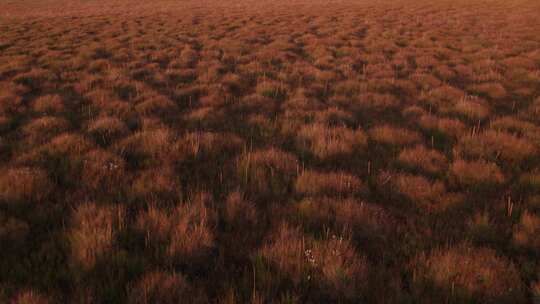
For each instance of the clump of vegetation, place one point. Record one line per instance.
(332, 183)
(476, 174)
(464, 273)
(267, 171)
(184, 235)
(269, 152)
(329, 142)
(163, 287)
(526, 234)
(389, 135)
(93, 233)
(24, 184)
(421, 158)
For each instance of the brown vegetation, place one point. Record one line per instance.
(300, 151)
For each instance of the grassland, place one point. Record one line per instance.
(284, 152)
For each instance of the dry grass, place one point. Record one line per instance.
(476, 173)
(24, 185)
(393, 136)
(526, 234)
(93, 232)
(183, 235)
(464, 273)
(427, 160)
(107, 129)
(329, 142)
(12, 230)
(331, 263)
(162, 287)
(221, 144)
(332, 183)
(30, 297)
(267, 171)
(344, 215)
(496, 145)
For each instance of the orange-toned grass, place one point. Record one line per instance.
(163, 287)
(465, 273)
(389, 135)
(420, 157)
(327, 142)
(267, 171)
(527, 232)
(24, 184)
(311, 182)
(93, 231)
(496, 145)
(475, 173)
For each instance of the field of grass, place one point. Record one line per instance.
(288, 151)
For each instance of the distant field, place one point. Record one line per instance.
(282, 152)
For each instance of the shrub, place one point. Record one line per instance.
(24, 184)
(394, 136)
(466, 274)
(427, 160)
(475, 173)
(326, 142)
(333, 183)
(94, 229)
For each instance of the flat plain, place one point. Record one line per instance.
(269, 152)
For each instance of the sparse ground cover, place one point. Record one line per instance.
(269, 152)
